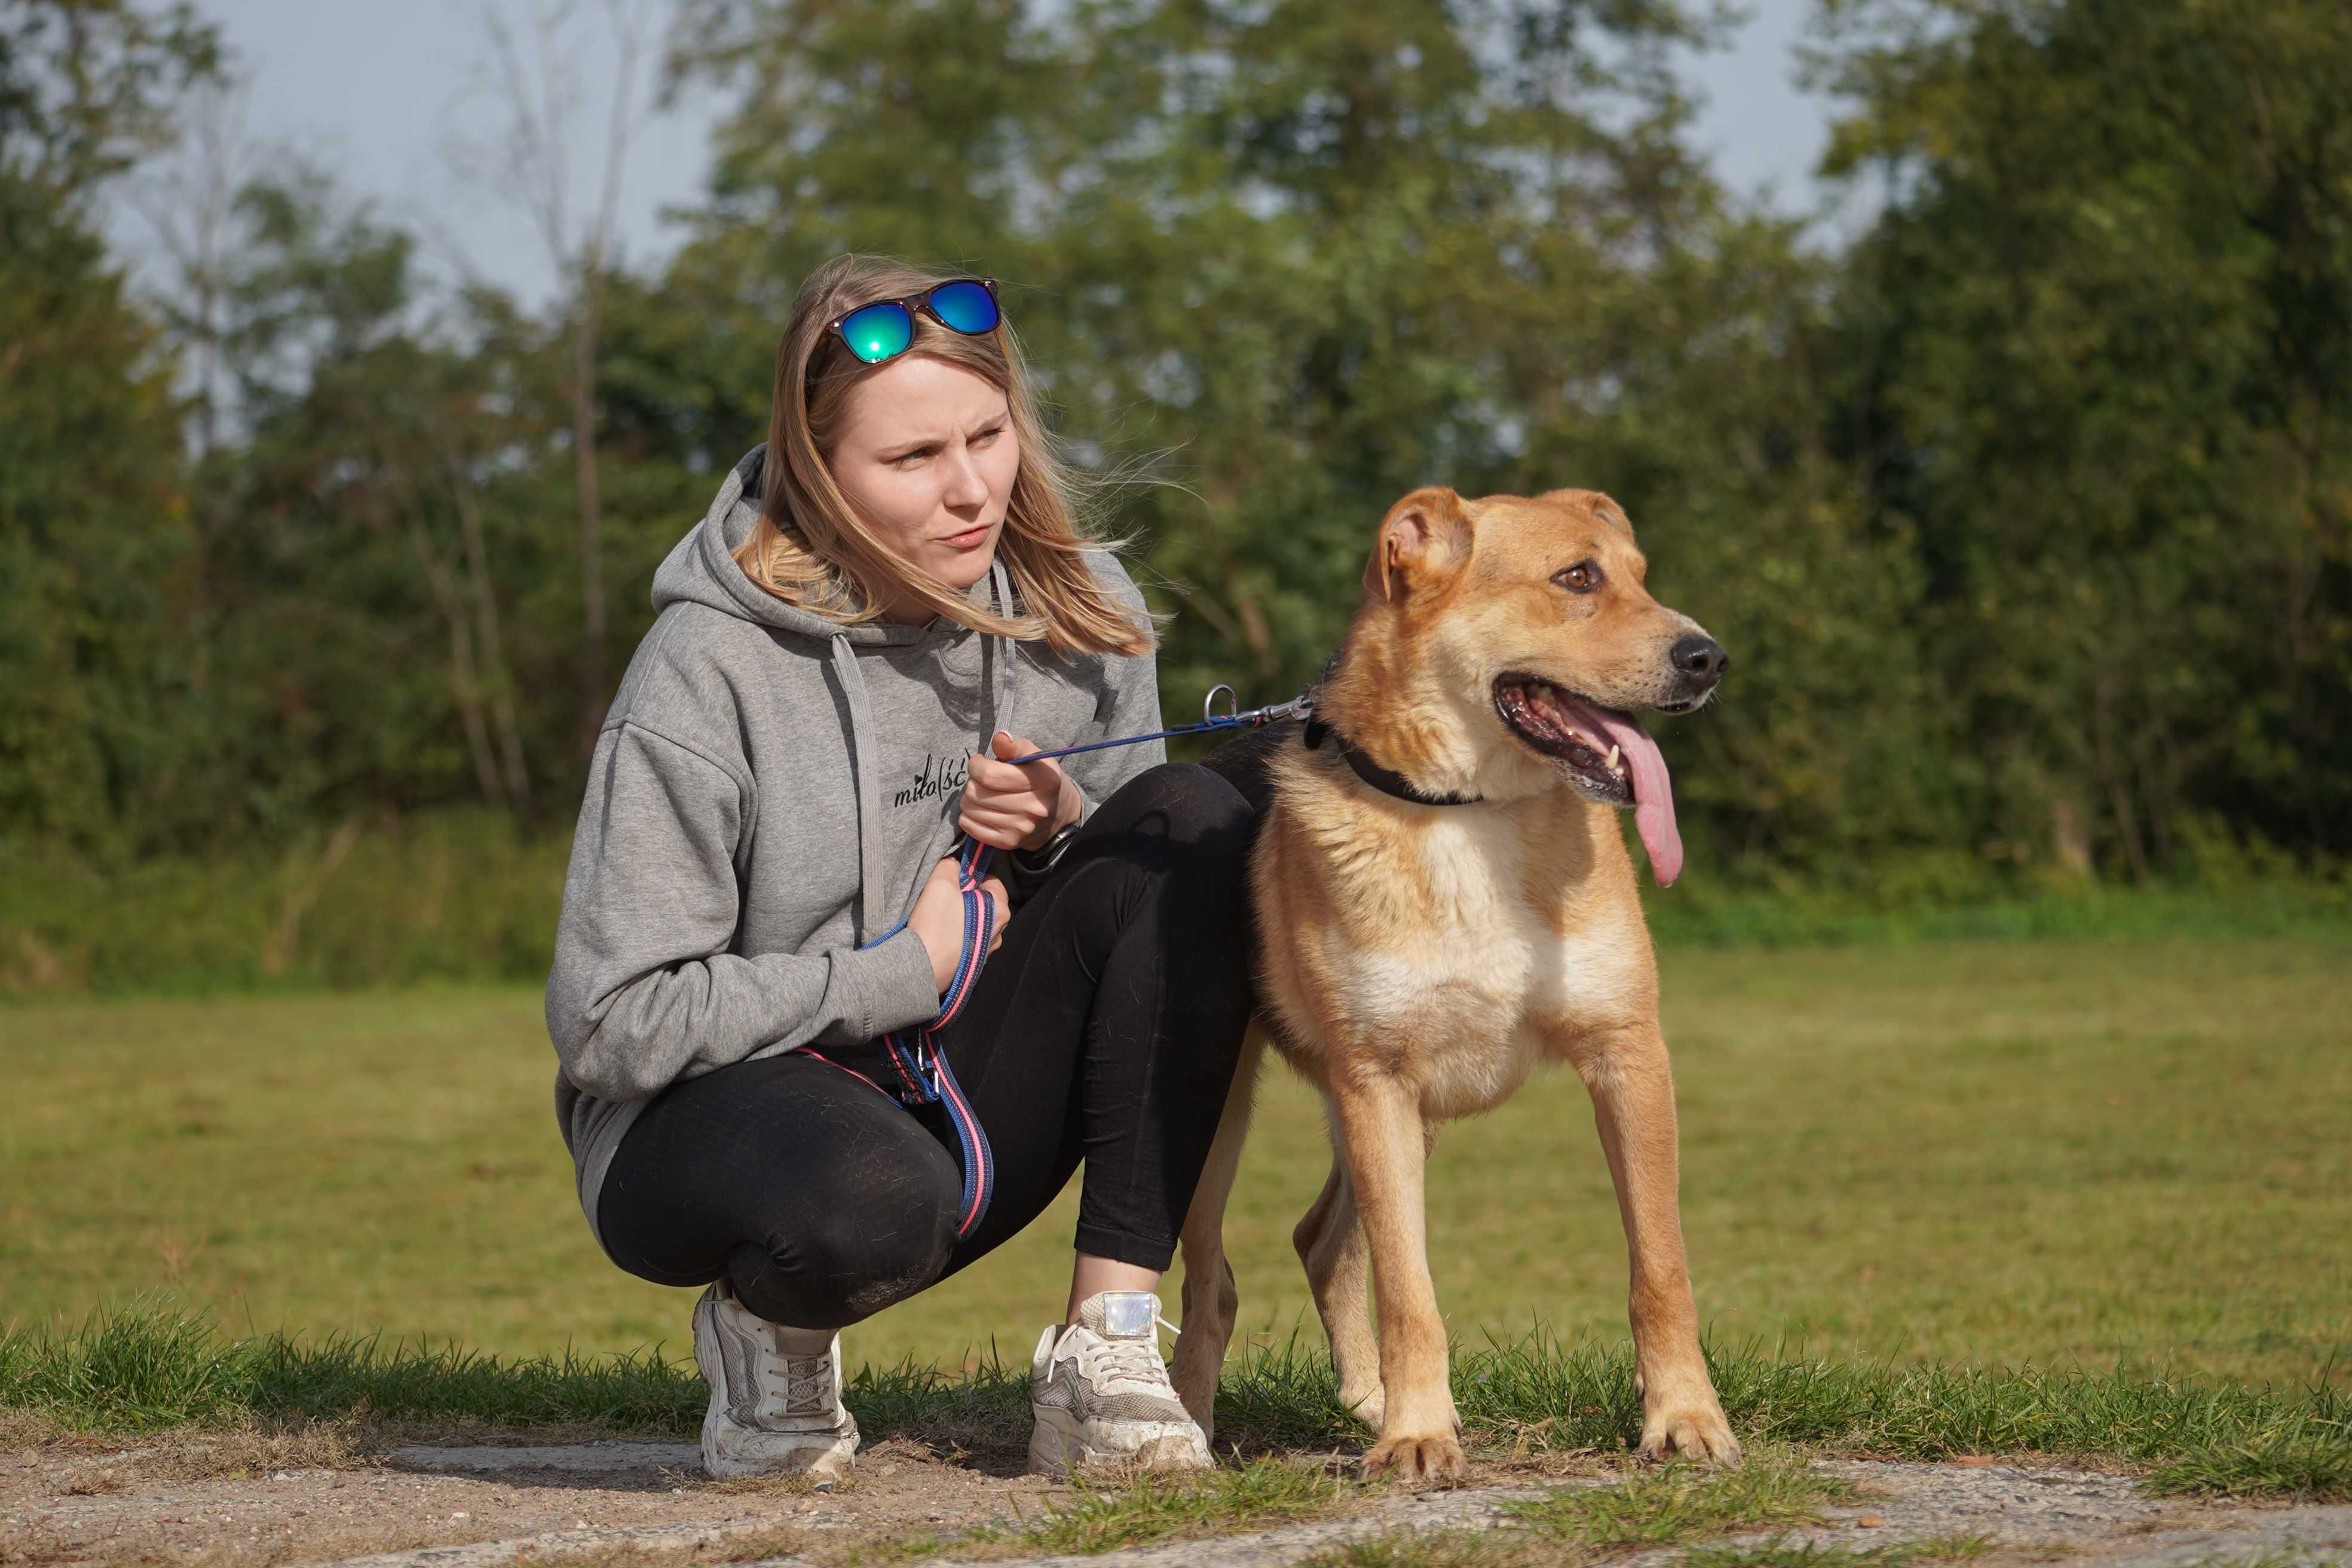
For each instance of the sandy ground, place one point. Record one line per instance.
(247, 1500)
(250, 1502)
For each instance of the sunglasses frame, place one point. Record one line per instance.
(912, 303)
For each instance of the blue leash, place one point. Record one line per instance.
(924, 1075)
(1297, 707)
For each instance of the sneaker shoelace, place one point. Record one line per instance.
(1136, 1359)
(808, 1384)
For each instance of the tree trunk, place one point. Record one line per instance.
(501, 679)
(465, 680)
(592, 547)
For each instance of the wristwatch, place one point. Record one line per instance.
(1038, 861)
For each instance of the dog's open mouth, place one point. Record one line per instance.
(1604, 753)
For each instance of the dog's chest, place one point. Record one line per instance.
(1488, 976)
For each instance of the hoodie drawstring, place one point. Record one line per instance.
(922, 1067)
(863, 765)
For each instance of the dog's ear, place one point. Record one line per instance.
(1594, 502)
(1427, 532)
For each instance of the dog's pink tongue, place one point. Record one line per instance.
(1653, 797)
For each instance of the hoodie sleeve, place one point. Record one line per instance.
(644, 991)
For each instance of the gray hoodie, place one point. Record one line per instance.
(769, 793)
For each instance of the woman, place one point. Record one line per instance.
(764, 884)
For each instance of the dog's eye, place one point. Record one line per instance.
(1584, 577)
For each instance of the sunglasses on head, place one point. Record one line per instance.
(878, 331)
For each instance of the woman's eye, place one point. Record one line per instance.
(985, 437)
(1582, 578)
(905, 460)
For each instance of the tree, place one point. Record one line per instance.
(87, 87)
(2100, 341)
(531, 164)
(1314, 255)
(94, 518)
(364, 517)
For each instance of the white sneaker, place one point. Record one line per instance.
(770, 1413)
(1101, 1395)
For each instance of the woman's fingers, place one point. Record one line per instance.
(1001, 826)
(990, 781)
(994, 888)
(995, 835)
(1001, 777)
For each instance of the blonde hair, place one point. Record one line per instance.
(811, 549)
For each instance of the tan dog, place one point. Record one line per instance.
(1418, 960)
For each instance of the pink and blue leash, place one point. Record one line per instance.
(923, 1069)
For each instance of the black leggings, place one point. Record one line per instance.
(1105, 1029)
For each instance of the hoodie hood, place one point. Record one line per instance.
(701, 569)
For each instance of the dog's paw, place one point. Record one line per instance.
(1371, 1409)
(1690, 1429)
(1435, 1460)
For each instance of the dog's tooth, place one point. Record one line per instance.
(1612, 757)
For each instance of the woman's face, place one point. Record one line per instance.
(927, 454)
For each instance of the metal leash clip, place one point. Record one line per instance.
(1298, 707)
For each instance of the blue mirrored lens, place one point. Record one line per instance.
(966, 307)
(878, 331)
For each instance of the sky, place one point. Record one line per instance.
(385, 94)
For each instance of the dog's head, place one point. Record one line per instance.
(1531, 613)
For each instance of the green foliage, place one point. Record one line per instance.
(87, 487)
(453, 896)
(2025, 515)
(2095, 352)
(86, 86)
(1316, 255)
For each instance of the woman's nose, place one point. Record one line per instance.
(962, 486)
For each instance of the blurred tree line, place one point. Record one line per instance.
(2026, 511)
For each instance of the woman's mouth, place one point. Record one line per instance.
(969, 537)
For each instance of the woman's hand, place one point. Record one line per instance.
(1016, 805)
(938, 918)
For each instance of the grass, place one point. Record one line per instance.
(457, 893)
(1788, 1553)
(1255, 1496)
(2051, 1198)
(2107, 1155)
(1514, 1549)
(1678, 1505)
(147, 1368)
(453, 894)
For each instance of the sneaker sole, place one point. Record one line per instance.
(1053, 1452)
(826, 1460)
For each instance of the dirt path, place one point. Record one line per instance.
(248, 1502)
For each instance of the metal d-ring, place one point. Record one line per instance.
(1209, 714)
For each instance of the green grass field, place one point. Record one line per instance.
(2104, 1154)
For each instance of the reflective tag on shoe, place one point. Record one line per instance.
(1128, 1314)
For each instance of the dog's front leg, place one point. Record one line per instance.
(1380, 1137)
(1632, 1090)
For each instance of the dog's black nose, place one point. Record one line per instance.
(1700, 658)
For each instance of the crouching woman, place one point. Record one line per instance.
(765, 904)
